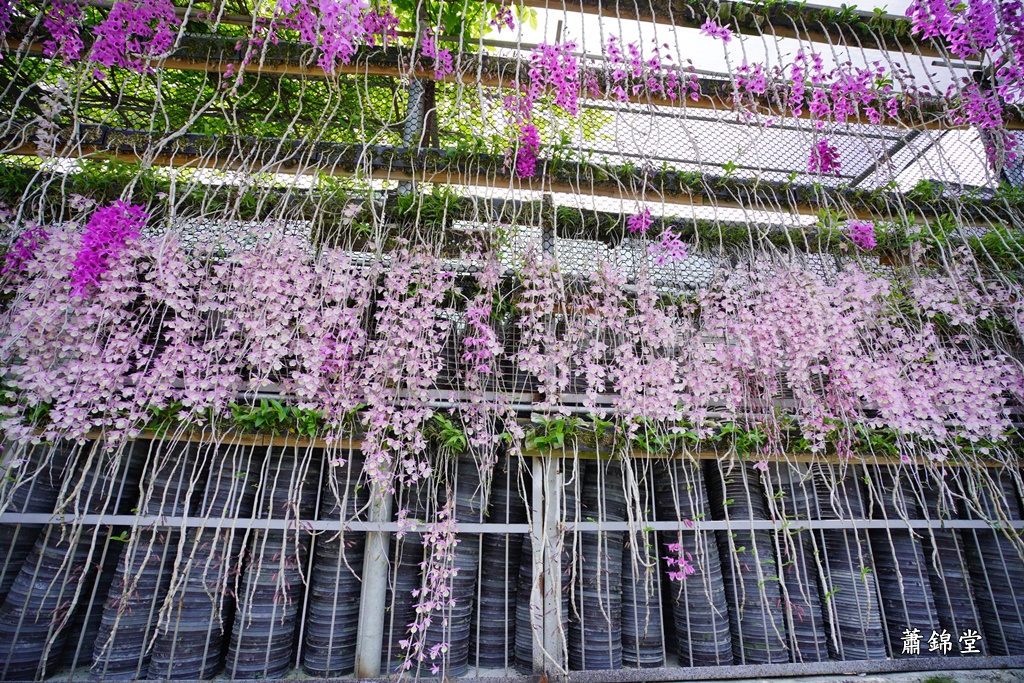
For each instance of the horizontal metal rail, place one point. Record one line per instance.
(147, 521)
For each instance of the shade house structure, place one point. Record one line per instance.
(591, 340)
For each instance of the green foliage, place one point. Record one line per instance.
(745, 441)
(891, 238)
(434, 209)
(446, 434)
(552, 433)
(924, 191)
(935, 235)
(1001, 245)
(272, 416)
(163, 419)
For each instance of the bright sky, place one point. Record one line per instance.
(712, 55)
(709, 54)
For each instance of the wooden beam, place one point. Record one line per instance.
(448, 177)
(241, 439)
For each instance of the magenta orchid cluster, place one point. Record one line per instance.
(862, 234)
(829, 95)
(105, 236)
(61, 22)
(977, 28)
(631, 74)
(668, 249)
(335, 27)
(526, 153)
(132, 34)
(992, 30)
(639, 223)
(503, 18)
(713, 29)
(442, 56)
(824, 158)
(6, 18)
(23, 250)
(836, 95)
(558, 73)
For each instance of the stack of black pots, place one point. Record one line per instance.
(191, 638)
(749, 568)
(145, 566)
(947, 561)
(700, 612)
(994, 560)
(406, 556)
(332, 612)
(595, 624)
(41, 603)
(850, 599)
(449, 632)
(643, 638)
(33, 487)
(493, 629)
(903, 582)
(270, 592)
(88, 619)
(791, 496)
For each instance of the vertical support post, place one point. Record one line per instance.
(546, 600)
(373, 600)
(413, 128)
(548, 484)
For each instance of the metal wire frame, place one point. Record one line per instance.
(572, 522)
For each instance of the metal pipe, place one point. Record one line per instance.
(370, 635)
(381, 527)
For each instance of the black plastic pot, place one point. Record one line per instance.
(400, 608)
(996, 570)
(849, 595)
(332, 613)
(947, 561)
(903, 582)
(190, 640)
(136, 595)
(595, 624)
(700, 613)
(446, 641)
(493, 626)
(85, 627)
(749, 568)
(146, 565)
(268, 600)
(31, 487)
(792, 496)
(43, 599)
